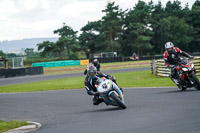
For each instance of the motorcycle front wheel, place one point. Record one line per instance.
(180, 87)
(196, 81)
(118, 101)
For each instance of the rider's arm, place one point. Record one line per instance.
(89, 90)
(100, 74)
(167, 63)
(98, 67)
(88, 87)
(85, 72)
(182, 52)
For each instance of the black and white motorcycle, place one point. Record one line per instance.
(110, 93)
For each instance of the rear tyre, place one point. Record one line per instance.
(118, 101)
(196, 81)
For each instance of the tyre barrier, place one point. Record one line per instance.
(158, 67)
(6, 73)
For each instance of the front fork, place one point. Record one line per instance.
(187, 77)
(190, 76)
(118, 93)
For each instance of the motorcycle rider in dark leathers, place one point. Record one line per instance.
(95, 63)
(91, 80)
(172, 57)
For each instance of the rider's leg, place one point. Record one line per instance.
(173, 75)
(96, 100)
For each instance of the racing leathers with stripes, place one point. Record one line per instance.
(90, 86)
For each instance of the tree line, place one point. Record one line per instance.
(143, 29)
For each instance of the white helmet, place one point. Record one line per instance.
(169, 45)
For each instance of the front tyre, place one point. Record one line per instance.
(118, 101)
(196, 81)
(180, 87)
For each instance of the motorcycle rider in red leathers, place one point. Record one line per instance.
(171, 58)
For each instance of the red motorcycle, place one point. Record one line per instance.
(186, 75)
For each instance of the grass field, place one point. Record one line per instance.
(127, 79)
(8, 125)
(104, 66)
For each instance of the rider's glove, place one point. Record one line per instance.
(171, 66)
(111, 78)
(95, 93)
(191, 57)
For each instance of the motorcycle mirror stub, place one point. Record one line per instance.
(192, 65)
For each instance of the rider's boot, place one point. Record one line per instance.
(106, 103)
(96, 100)
(174, 78)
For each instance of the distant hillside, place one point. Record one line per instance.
(16, 45)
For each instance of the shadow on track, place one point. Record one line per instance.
(106, 109)
(177, 91)
(99, 110)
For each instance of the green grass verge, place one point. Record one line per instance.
(142, 79)
(127, 79)
(8, 125)
(126, 62)
(58, 84)
(104, 66)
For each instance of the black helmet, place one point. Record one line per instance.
(92, 71)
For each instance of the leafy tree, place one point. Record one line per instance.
(90, 37)
(111, 27)
(2, 54)
(144, 29)
(46, 47)
(103, 35)
(29, 51)
(185, 12)
(68, 41)
(173, 9)
(157, 14)
(138, 32)
(170, 24)
(195, 23)
(176, 32)
(11, 55)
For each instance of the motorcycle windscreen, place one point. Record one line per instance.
(104, 86)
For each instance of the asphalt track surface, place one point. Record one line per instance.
(26, 79)
(149, 110)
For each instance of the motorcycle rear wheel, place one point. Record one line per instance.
(118, 101)
(196, 81)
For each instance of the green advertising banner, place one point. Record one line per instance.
(57, 63)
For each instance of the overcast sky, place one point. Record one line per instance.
(20, 19)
